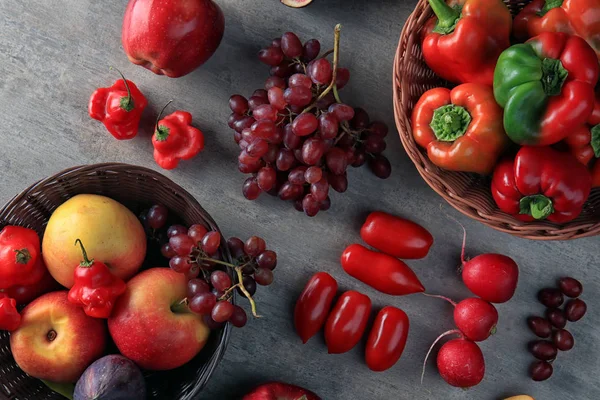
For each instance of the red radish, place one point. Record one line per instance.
(493, 277)
(476, 318)
(460, 363)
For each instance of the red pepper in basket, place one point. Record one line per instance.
(462, 42)
(10, 319)
(19, 253)
(96, 289)
(119, 108)
(541, 183)
(176, 139)
(596, 175)
(578, 17)
(584, 143)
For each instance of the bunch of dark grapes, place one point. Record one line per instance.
(297, 138)
(195, 252)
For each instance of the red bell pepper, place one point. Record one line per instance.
(596, 174)
(119, 108)
(176, 139)
(462, 42)
(10, 319)
(584, 143)
(595, 117)
(541, 183)
(96, 289)
(19, 253)
(578, 17)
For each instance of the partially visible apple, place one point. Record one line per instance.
(280, 391)
(296, 3)
(171, 37)
(57, 340)
(151, 326)
(108, 230)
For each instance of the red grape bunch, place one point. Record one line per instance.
(194, 251)
(297, 138)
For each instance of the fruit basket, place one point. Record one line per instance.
(135, 187)
(468, 193)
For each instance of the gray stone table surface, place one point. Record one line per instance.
(53, 54)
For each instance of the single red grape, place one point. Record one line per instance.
(238, 104)
(239, 317)
(175, 230)
(342, 77)
(320, 190)
(289, 191)
(381, 166)
(360, 158)
(361, 119)
(257, 148)
(296, 175)
(291, 45)
(196, 287)
(285, 159)
(262, 93)
(271, 56)
(243, 123)
(298, 80)
(233, 118)
(543, 350)
(290, 139)
(328, 126)
(251, 190)
(157, 216)
(282, 70)
(254, 246)
(222, 311)
(256, 101)
(563, 340)
(274, 81)
(540, 326)
(266, 178)
(193, 272)
(336, 160)
(180, 264)
(313, 174)
(264, 129)
(342, 112)
(212, 325)
(267, 259)
(550, 297)
(375, 144)
(310, 205)
(305, 124)
(263, 276)
(182, 244)
(167, 251)
(298, 96)
(271, 155)
(203, 303)
(540, 370)
(326, 204)
(249, 285)
(570, 287)
(276, 98)
(211, 242)
(220, 280)
(556, 317)
(339, 183)
(265, 111)
(378, 128)
(245, 158)
(312, 151)
(236, 247)
(320, 71)
(311, 50)
(575, 310)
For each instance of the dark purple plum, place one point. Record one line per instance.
(113, 377)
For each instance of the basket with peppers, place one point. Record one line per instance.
(524, 107)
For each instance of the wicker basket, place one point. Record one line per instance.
(135, 187)
(468, 193)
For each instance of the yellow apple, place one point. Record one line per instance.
(109, 231)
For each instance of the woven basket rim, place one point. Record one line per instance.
(221, 346)
(430, 173)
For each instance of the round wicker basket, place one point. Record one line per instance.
(468, 193)
(137, 188)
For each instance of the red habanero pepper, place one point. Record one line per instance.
(10, 319)
(541, 183)
(396, 236)
(387, 339)
(119, 108)
(24, 294)
(314, 304)
(96, 289)
(380, 271)
(347, 322)
(462, 42)
(577, 17)
(176, 139)
(19, 253)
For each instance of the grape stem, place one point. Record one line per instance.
(238, 270)
(336, 57)
(328, 52)
(228, 291)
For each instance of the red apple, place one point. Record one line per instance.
(57, 340)
(172, 37)
(280, 391)
(151, 327)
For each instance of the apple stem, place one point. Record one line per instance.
(336, 57)
(238, 270)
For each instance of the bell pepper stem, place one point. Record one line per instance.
(450, 122)
(162, 133)
(549, 5)
(595, 142)
(86, 262)
(126, 103)
(447, 16)
(553, 76)
(537, 205)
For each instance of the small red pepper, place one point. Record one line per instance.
(387, 339)
(541, 183)
(314, 304)
(96, 289)
(10, 319)
(19, 253)
(380, 271)
(119, 108)
(396, 236)
(176, 139)
(462, 41)
(24, 294)
(347, 322)
(584, 143)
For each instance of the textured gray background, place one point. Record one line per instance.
(53, 54)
